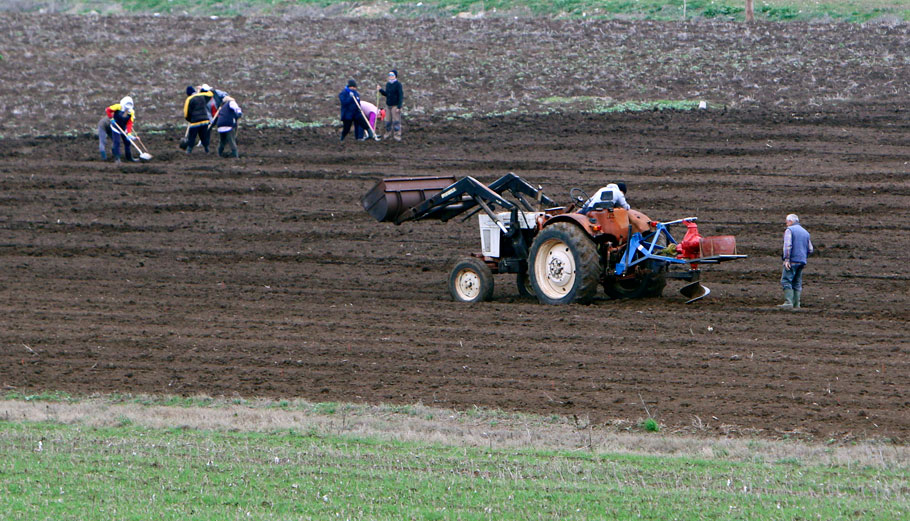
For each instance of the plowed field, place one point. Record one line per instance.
(264, 277)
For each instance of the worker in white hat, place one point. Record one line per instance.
(117, 124)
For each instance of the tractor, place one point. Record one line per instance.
(559, 254)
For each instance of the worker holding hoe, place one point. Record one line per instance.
(117, 125)
(351, 113)
(197, 111)
(797, 248)
(394, 98)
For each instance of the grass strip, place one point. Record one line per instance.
(56, 471)
(768, 10)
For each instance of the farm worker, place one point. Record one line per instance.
(197, 111)
(350, 109)
(371, 112)
(394, 98)
(797, 248)
(123, 115)
(226, 123)
(613, 192)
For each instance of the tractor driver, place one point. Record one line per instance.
(613, 192)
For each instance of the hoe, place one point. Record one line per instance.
(560, 254)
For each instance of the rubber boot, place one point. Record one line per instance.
(103, 155)
(796, 294)
(788, 299)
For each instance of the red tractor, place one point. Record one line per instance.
(560, 254)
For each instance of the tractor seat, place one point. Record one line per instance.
(600, 205)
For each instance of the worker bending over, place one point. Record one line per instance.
(226, 123)
(197, 109)
(117, 115)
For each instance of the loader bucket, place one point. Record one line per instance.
(694, 291)
(392, 197)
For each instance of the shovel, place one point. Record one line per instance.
(138, 140)
(183, 141)
(145, 156)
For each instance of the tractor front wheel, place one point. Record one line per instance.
(525, 289)
(564, 265)
(471, 280)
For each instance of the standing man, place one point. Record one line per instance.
(394, 97)
(797, 248)
(197, 111)
(226, 122)
(122, 115)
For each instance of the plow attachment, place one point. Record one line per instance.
(712, 249)
(694, 291)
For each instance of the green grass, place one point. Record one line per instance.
(650, 425)
(604, 105)
(53, 471)
(773, 10)
(283, 123)
(45, 396)
(639, 106)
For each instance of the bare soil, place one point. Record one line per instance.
(263, 277)
(59, 72)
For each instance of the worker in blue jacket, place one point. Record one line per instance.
(350, 110)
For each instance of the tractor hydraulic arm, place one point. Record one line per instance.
(520, 188)
(459, 197)
(469, 193)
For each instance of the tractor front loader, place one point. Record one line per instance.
(559, 254)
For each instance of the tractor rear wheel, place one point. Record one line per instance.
(471, 280)
(564, 265)
(647, 283)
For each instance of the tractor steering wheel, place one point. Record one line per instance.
(578, 195)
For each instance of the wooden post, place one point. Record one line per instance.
(750, 13)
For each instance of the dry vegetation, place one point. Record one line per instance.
(418, 423)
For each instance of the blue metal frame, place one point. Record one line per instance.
(644, 246)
